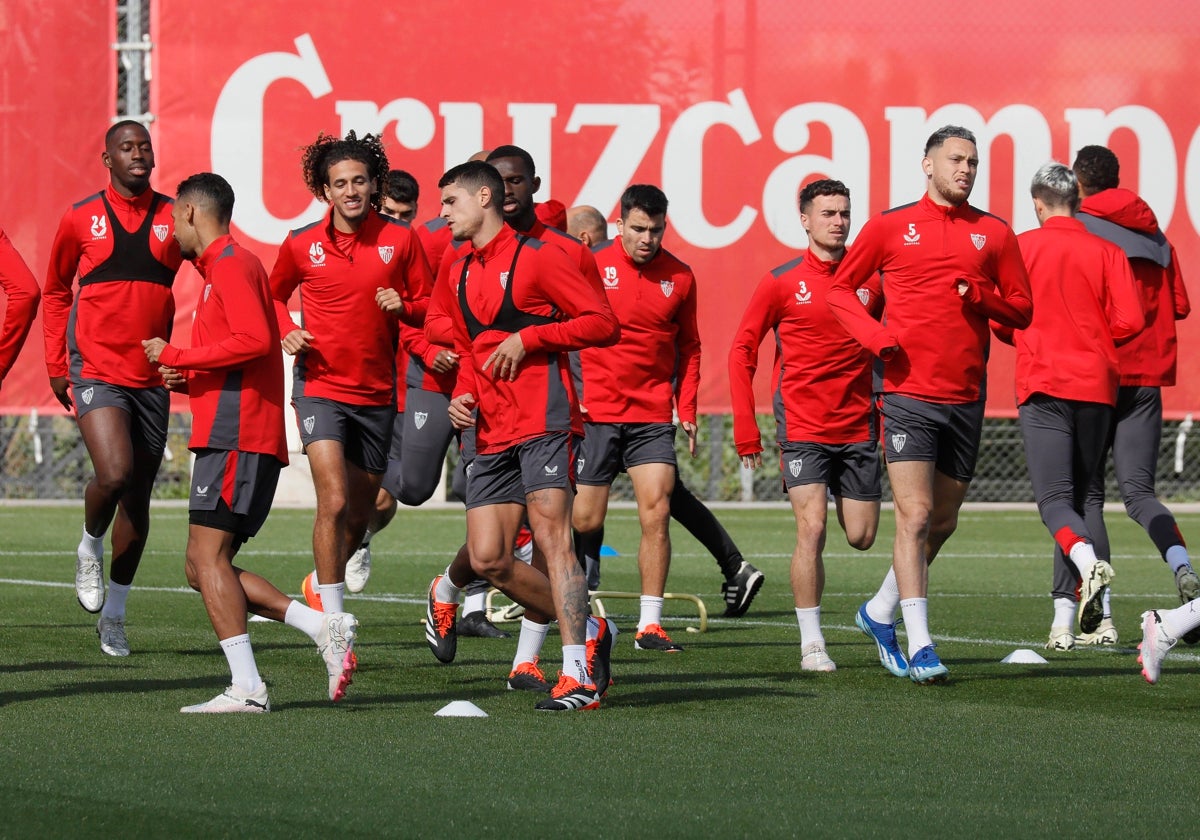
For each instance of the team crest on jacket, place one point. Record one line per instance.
(979, 240)
(161, 231)
(667, 286)
(309, 423)
(207, 291)
(864, 296)
(87, 395)
(503, 279)
(419, 418)
(385, 253)
(898, 442)
(99, 227)
(316, 253)
(795, 466)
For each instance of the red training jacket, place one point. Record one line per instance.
(23, 295)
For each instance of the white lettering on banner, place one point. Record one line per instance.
(238, 120)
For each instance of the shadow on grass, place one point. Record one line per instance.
(104, 687)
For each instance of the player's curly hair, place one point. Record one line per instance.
(329, 150)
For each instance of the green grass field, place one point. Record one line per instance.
(728, 738)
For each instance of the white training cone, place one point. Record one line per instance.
(1024, 656)
(460, 708)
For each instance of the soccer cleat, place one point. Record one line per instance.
(1154, 646)
(890, 655)
(569, 695)
(476, 624)
(528, 677)
(1061, 638)
(512, 612)
(233, 699)
(1091, 591)
(740, 590)
(924, 668)
(89, 580)
(1104, 635)
(336, 643)
(654, 637)
(814, 658)
(440, 630)
(599, 655)
(1188, 584)
(312, 597)
(112, 636)
(358, 569)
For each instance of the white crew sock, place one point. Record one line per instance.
(529, 641)
(575, 663)
(333, 596)
(240, 656)
(916, 623)
(809, 619)
(92, 546)
(1083, 555)
(1180, 620)
(651, 612)
(1177, 557)
(474, 603)
(114, 603)
(304, 618)
(446, 592)
(884, 603)
(1064, 613)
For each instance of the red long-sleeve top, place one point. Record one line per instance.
(23, 295)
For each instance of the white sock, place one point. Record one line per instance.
(1180, 620)
(1177, 557)
(529, 642)
(92, 546)
(651, 612)
(474, 603)
(575, 663)
(114, 603)
(304, 618)
(916, 623)
(446, 592)
(1105, 602)
(809, 619)
(1064, 613)
(1083, 555)
(883, 605)
(333, 596)
(240, 656)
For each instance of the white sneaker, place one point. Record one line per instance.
(1105, 635)
(233, 699)
(1061, 638)
(336, 643)
(89, 579)
(112, 636)
(814, 658)
(358, 569)
(1154, 646)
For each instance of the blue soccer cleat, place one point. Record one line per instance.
(890, 655)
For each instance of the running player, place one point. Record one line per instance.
(1084, 305)
(234, 376)
(118, 243)
(357, 272)
(824, 424)
(947, 268)
(23, 295)
(631, 428)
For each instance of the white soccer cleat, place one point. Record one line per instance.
(1154, 646)
(814, 658)
(336, 643)
(358, 570)
(1091, 591)
(1105, 635)
(89, 579)
(1061, 638)
(112, 636)
(233, 700)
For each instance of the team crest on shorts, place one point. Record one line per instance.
(385, 253)
(309, 423)
(579, 462)
(795, 466)
(667, 286)
(898, 441)
(978, 240)
(160, 231)
(419, 418)
(470, 469)
(87, 395)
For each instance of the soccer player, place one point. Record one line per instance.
(588, 225)
(358, 272)
(631, 389)
(1148, 364)
(1161, 631)
(947, 268)
(824, 423)
(118, 243)
(233, 375)
(1084, 305)
(23, 295)
(521, 306)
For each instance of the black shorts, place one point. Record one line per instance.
(509, 476)
(945, 433)
(849, 470)
(365, 431)
(232, 491)
(148, 408)
(420, 437)
(609, 448)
